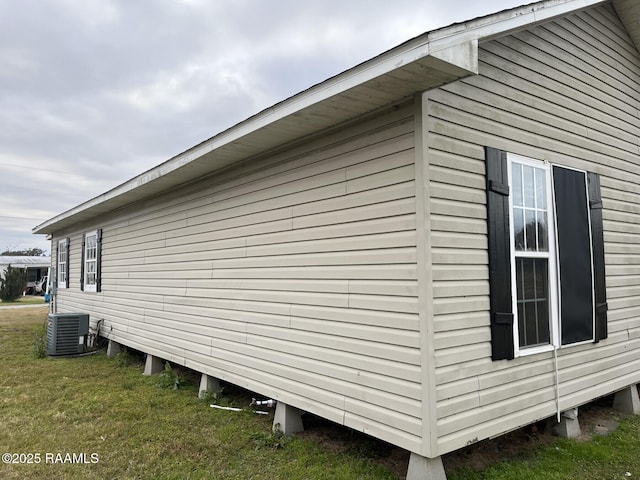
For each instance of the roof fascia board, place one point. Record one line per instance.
(503, 23)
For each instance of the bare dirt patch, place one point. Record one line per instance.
(338, 439)
(596, 418)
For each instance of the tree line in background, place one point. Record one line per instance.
(29, 252)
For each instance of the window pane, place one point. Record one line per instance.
(91, 273)
(530, 325)
(543, 235)
(532, 300)
(530, 230)
(519, 282)
(516, 175)
(544, 335)
(541, 189)
(528, 278)
(522, 338)
(518, 228)
(529, 188)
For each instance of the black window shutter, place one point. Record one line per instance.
(99, 260)
(499, 254)
(574, 255)
(84, 240)
(68, 246)
(597, 242)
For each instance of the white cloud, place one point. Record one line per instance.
(186, 88)
(91, 14)
(17, 63)
(106, 89)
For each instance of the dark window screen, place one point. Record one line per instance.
(574, 255)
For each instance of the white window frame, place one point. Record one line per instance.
(62, 250)
(90, 287)
(551, 256)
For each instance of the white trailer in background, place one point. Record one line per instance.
(37, 268)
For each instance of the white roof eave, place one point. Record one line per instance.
(24, 261)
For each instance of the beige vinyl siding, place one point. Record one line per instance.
(566, 92)
(293, 275)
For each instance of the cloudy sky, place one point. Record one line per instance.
(94, 92)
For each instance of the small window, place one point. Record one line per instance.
(533, 259)
(91, 261)
(63, 262)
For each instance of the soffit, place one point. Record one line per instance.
(629, 13)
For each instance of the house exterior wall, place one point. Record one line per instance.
(293, 276)
(307, 276)
(567, 92)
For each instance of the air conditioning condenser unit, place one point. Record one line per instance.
(67, 333)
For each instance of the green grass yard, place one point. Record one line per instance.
(137, 430)
(25, 300)
(123, 425)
